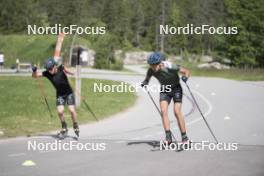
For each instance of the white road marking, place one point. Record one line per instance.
(119, 142)
(28, 163)
(227, 118)
(210, 108)
(45, 151)
(16, 154)
(39, 137)
(213, 94)
(147, 136)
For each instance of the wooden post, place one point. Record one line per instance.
(78, 79)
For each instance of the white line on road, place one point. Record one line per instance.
(16, 154)
(148, 136)
(210, 108)
(46, 151)
(119, 142)
(227, 118)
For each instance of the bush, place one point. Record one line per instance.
(105, 58)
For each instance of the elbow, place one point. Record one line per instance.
(188, 73)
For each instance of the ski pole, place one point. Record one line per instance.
(199, 109)
(41, 87)
(86, 105)
(150, 96)
(89, 109)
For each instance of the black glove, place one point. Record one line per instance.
(184, 78)
(143, 84)
(34, 68)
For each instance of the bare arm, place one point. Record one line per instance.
(68, 71)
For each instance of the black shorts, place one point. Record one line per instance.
(175, 94)
(65, 99)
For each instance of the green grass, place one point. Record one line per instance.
(34, 48)
(23, 111)
(233, 73)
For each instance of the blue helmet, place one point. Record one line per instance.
(155, 58)
(50, 62)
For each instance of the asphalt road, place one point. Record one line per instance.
(234, 110)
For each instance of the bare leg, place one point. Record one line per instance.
(60, 110)
(164, 111)
(72, 110)
(64, 129)
(179, 117)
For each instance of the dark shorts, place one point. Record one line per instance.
(65, 99)
(175, 94)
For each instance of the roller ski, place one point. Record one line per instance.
(168, 141)
(63, 133)
(186, 143)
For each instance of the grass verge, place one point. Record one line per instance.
(24, 112)
(233, 73)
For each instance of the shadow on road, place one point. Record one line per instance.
(55, 136)
(154, 144)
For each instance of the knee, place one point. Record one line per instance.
(72, 110)
(164, 112)
(60, 112)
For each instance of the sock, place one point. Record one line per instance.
(75, 125)
(184, 136)
(63, 125)
(168, 135)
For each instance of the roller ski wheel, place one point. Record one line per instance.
(76, 131)
(186, 144)
(63, 133)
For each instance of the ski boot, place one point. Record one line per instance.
(186, 143)
(168, 139)
(63, 133)
(76, 129)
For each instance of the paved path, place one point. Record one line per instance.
(234, 110)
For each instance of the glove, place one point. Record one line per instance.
(184, 78)
(143, 84)
(34, 69)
